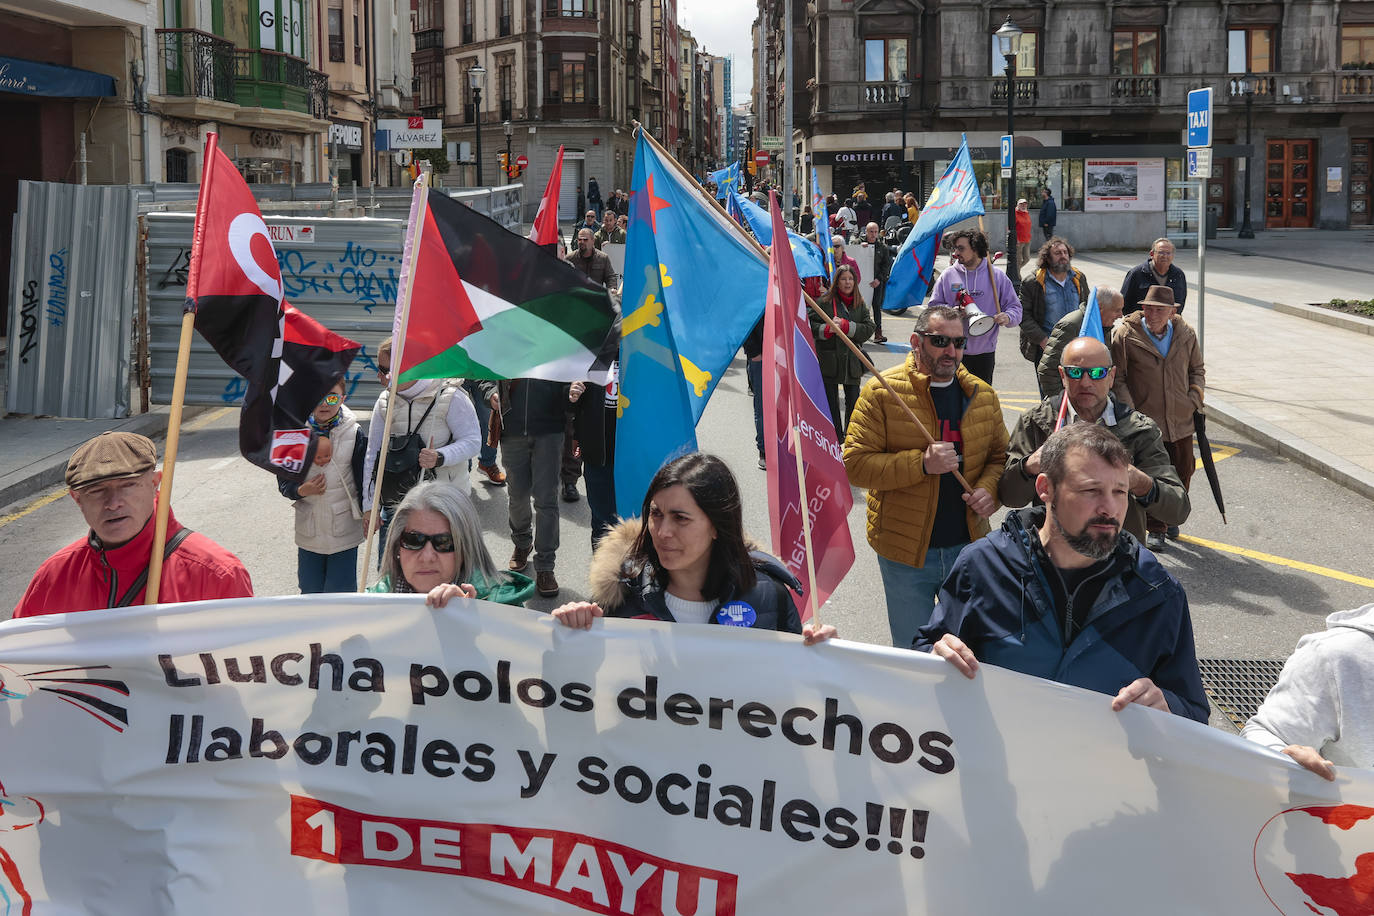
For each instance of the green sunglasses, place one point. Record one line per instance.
(1096, 373)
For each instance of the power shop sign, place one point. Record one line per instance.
(366, 754)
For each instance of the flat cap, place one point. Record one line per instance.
(110, 456)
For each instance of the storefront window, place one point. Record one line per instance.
(1073, 186)
(269, 171)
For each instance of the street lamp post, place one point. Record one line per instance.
(904, 93)
(1247, 86)
(509, 130)
(1009, 41)
(476, 77)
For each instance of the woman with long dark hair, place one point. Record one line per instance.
(840, 367)
(686, 560)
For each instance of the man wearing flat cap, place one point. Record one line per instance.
(114, 480)
(1159, 372)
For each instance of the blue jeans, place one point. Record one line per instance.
(600, 498)
(755, 369)
(911, 591)
(487, 456)
(327, 572)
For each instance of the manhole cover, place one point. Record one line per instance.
(1239, 685)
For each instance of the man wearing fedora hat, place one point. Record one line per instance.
(1159, 372)
(114, 481)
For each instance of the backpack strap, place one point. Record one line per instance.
(172, 544)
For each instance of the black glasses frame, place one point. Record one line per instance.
(416, 540)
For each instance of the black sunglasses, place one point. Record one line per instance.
(383, 370)
(1096, 373)
(416, 540)
(940, 341)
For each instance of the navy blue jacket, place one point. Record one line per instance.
(1049, 213)
(766, 606)
(998, 601)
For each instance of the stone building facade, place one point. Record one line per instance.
(1100, 99)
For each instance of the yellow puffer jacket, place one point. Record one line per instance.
(883, 453)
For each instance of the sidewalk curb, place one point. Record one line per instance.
(1332, 466)
(52, 470)
(1357, 323)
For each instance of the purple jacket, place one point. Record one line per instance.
(956, 278)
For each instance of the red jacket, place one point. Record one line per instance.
(83, 577)
(1023, 228)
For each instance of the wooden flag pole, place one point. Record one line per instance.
(835, 328)
(806, 527)
(397, 345)
(169, 459)
(188, 323)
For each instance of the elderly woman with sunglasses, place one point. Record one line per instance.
(434, 547)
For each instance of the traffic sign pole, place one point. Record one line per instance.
(1199, 130)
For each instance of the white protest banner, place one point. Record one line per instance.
(364, 754)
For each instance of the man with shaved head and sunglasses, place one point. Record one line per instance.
(919, 517)
(1087, 374)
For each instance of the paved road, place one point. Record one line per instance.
(1249, 600)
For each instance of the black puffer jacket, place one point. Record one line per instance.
(766, 606)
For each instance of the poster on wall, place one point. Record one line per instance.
(1123, 184)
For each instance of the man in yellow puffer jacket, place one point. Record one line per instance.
(919, 517)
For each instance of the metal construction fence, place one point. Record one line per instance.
(71, 296)
(89, 304)
(341, 272)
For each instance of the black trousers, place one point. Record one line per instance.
(981, 365)
(851, 397)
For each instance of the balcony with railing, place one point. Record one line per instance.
(277, 82)
(1103, 95)
(197, 73)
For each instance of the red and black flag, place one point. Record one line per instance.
(234, 287)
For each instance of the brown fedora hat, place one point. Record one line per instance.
(1159, 295)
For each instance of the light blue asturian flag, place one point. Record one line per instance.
(1092, 321)
(819, 211)
(808, 257)
(694, 288)
(727, 179)
(954, 200)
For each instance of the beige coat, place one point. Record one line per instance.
(1165, 389)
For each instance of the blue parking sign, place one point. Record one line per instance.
(1200, 117)
(1006, 151)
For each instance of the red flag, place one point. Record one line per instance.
(234, 287)
(545, 229)
(794, 396)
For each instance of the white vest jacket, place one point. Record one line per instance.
(333, 521)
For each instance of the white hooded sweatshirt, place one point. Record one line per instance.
(1325, 693)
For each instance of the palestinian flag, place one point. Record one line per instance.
(487, 303)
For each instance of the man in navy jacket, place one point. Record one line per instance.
(1061, 592)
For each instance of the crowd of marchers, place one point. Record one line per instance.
(1068, 588)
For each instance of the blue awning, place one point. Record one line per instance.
(29, 77)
